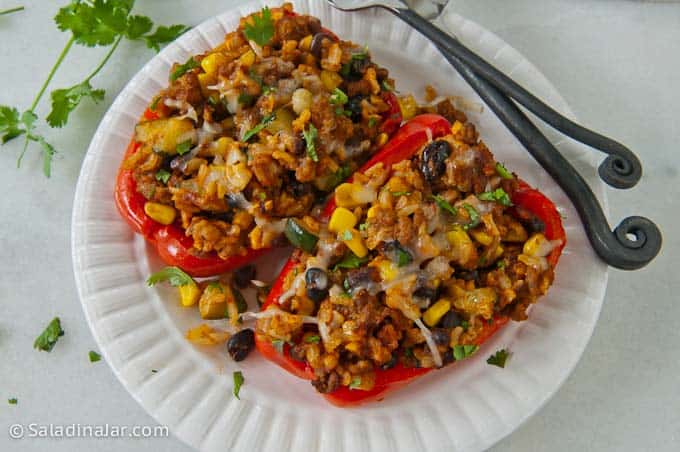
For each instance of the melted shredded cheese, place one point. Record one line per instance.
(430, 342)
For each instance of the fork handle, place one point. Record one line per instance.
(613, 247)
(621, 168)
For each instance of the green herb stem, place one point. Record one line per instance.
(12, 10)
(106, 58)
(66, 49)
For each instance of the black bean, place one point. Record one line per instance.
(299, 189)
(317, 42)
(433, 161)
(354, 106)
(448, 358)
(396, 253)
(450, 320)
(243, 276)
(472, 275)
(361, 277)
(300, 146)
(535, 225)
(316, 281)
(240, 344)
(424, 290)
(441, 336)
(297, 352)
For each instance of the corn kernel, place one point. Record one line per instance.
(353, 347)
(247, 59)
(408, 106)
(355, 244)
(499, 252)
(458, 237)
(206, 80)
(382, 139)
(455, 128)
(189, 294)
(212, 63)
(482, 237)
(353, 195)
(388, 271)
(532, 246)
(302, 100)
(372, 212)
(330, 80)
(161, 213)
(342, 219)
(432, 316)
(305, 43)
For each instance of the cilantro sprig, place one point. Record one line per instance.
(261, 30)
(258, 128)
(498, 195)
(90, 23)
(499, 358)
(238, 382)
(464, 351)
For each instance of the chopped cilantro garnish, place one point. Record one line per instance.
(313, 339)
(499, 358)
(49, 337)
(503, 172)
(261, 30)
(338, 177)
(162, 176)
(310, 136)
(215, 285)
(498, 195)
(351, 261)
(372, 121)
(183, 147)
(444, 204)
(94, 356)
(154, 104)
(474, 216)
(183, 69)
(238, 382)
(363, 226)
(355, 383)
(464, 351)
(246, 99)
(268, 90)
(346, 235)
(258, 128)
(500, 264)
(465, 324)
(12, 401)
(339, 97)
(339, 111)
(174, 275)
(386, 86)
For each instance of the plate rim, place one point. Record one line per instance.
(101, 132)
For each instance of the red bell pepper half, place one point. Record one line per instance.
(405, 143)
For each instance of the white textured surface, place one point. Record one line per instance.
(132, 333)
(623, 393)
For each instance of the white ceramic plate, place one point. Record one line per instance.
(468, 406)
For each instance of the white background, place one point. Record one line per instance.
(615, 62)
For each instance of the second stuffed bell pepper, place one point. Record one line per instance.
(410, 139)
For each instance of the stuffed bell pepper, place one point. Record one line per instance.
(248, 134)
(418, 259)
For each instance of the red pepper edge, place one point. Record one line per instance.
(408, 140)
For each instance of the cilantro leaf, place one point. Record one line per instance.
(163, 176)
(499, 358)
(261, 30)
(182, 69)
(10, 123)
(464, 351)
(174, 275)
(475, 219)
(351, 261)
(258, 128)
(339, 97)
(96, 23)
(65, 100)
(444, 204)
(503, 172)
(12, 401)
(313, 339)
(310, 135)
(238, 382)
(138, 26)
(94, 356)
(183, 147)
(48, 152)
(403, 257)
(363, 226)
(498, 195)
(372, 121)
(163, 35)
(355, 383)
(49, 336)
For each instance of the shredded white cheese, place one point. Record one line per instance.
(430, 342)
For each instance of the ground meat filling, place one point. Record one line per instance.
(411, 266)
(247, 134)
